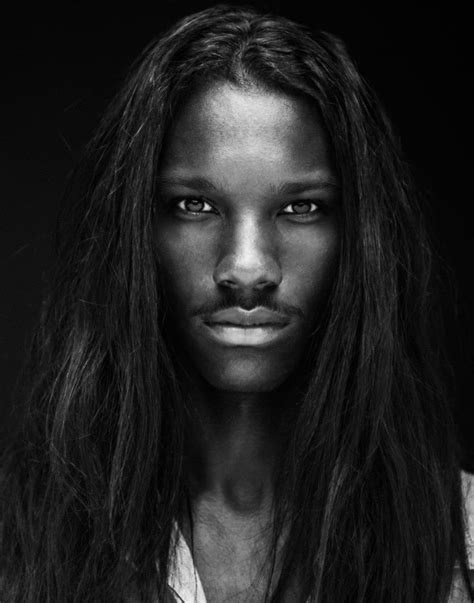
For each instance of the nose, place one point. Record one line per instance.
(249, 260)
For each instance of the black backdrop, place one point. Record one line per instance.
(62, 66)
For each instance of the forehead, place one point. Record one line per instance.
(225, 122)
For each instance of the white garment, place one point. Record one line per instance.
(184, 580)
(468, 492)
(186, 585)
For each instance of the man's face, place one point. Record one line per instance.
(246, 233)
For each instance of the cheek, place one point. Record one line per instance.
(186, 261)
(310, 263)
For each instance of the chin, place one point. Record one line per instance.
(244, 386)
(245, 377)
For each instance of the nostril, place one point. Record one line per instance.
(265, 285)
(247, 287)
(246, 280)
(228, 283)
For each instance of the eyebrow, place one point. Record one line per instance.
(196, 182)
(313, 184)
(206, 185)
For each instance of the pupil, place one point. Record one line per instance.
(195, 205)
(301, 207)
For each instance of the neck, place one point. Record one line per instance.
(234, 445)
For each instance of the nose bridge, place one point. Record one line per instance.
(249, 255)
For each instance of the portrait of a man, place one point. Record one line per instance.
(234, 392)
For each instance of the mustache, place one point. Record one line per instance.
(248, 301)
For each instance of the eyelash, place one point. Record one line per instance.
(321, 208)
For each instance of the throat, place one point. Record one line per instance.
(246, 495)
(234, 446)
(231, 550)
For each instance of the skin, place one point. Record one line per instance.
(238, 165)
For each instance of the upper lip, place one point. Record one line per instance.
(247, 318)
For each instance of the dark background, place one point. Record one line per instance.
(62, 66)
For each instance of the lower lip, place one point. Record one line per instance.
(245, 336)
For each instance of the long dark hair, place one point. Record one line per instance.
(370, 486)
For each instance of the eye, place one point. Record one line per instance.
(195, 205)
(302, 208)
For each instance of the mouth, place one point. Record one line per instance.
(238, 335)
(238, 327)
